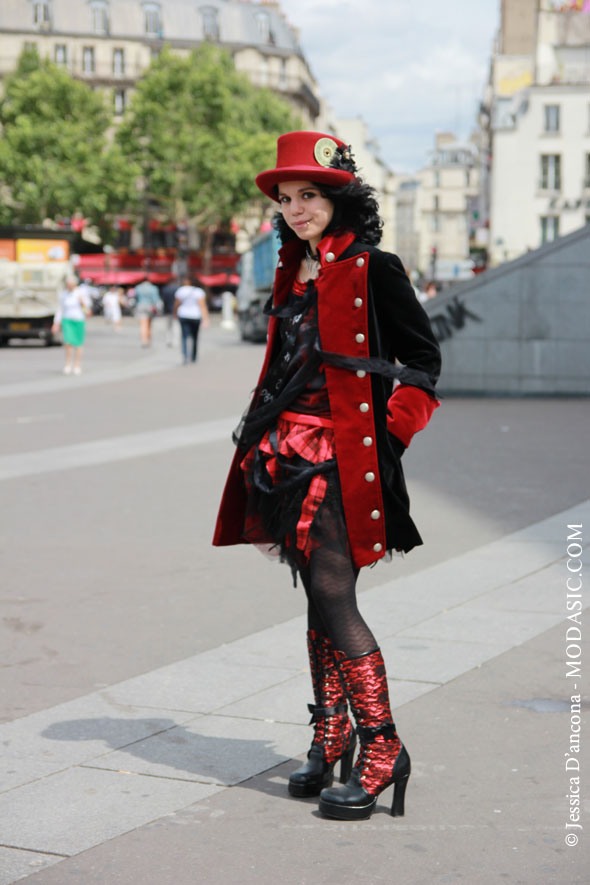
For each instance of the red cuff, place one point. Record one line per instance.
(409, 410)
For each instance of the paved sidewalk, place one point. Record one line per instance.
(174, 740)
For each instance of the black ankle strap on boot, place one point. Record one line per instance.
(318, 712)
(367, 733)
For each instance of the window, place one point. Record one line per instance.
(151, 12)
(41, 13)
(436, 178)
(551, 172)
(210, 23)
(283, 74)
(100, 21)
(88, 60)
(551, 118)
(436, 204)
(30, 47)
(549, 228)
(587, 172)
(119, 101)
(263, 23)
(118, 62)
(61, 54)
(436, 223)
(467, 177)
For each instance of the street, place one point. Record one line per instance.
(110, 485)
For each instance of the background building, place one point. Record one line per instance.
(433, 210)
(539, 117)
(372, 169)
(110, 43)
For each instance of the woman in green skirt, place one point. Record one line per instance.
(74, 307)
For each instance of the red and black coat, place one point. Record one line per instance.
(367, 308)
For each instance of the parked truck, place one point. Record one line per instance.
(33, 266)
(257, 270)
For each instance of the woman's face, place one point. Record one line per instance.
(305, 210)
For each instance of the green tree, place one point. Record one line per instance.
(55, 157)
(200, 132)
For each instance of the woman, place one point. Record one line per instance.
(317, 472)
(111, 302)
(147, 302)
(74, 307)
(190, 307)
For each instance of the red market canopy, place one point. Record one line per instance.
(219, 279)
(122, 277)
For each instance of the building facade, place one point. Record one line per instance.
(444, 205)
(434, 210)
(110, 43)
(539, 126)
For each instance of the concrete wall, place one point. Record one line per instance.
(522, 328)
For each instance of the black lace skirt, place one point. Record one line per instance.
(294, 499)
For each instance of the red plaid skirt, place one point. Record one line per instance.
(306, 437)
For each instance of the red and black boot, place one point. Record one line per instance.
(383, 760)
(334, 738)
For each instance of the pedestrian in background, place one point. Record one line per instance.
(190, 306)
(147, 302)
(167, 294)
(74, 306)
(317, 475)
(430, 292)
(111, 302)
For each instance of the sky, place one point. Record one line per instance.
(409, 68)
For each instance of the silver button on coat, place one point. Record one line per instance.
(370, 476)
(364, 407)
(367, 440)
(330, 256)
(359, 338)
(375, 514)
(360, 373)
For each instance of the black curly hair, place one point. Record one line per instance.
(355, 209)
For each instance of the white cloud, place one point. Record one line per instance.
(408, 68)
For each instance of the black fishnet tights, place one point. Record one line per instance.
(330, 585)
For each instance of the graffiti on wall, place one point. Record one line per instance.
(444, 325)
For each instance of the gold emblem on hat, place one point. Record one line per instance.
(324, 150)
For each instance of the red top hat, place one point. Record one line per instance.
(305, 156)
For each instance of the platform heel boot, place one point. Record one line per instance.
(334, 738)
(383, 760)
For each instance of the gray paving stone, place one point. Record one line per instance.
(402, 691)
(74, 810)
(16, 771)
(461, 579)
(554, 528)
(433, 660)
(15, 864)
(543, 591)
(81, 729)
(199, 684)
(216, 749)
(281, 703)
(283, 646)
(477, 624)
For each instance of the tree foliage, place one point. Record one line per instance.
(191, 142)
(55, 157)
(200, 132)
